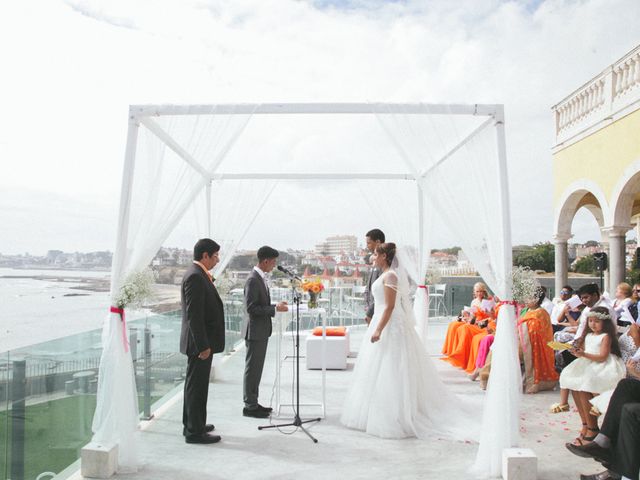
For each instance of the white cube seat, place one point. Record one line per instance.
(337, 350)
(519, 464)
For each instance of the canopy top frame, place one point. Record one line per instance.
(478, 109)
(145, 113)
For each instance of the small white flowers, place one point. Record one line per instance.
(525, 284)
(136, 289)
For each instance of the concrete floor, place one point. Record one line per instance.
(247, 453)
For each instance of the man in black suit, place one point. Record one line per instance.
(201, 336)
(256, 329)
(617, 446)
(373, 238)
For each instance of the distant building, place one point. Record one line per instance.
(338, 245)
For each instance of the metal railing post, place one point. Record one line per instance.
(18, 413)
(147, 375)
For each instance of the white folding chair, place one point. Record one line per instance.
(436, 299)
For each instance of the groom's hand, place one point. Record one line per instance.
(282, 307)
(204, 354)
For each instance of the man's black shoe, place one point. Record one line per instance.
(590, 450)
(207, 428)
(265, 409)
(606, 475)
(255, 413)
(202, 438)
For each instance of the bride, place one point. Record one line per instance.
(396, 391)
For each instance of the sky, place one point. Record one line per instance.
(72, 68)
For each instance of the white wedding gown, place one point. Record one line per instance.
(396, 391)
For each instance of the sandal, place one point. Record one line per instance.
(595, 411)
(595, 431)
(559, 407)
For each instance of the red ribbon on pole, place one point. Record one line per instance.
(123, 322)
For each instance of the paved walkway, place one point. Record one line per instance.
(246, 453)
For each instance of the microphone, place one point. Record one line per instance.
(288, 272)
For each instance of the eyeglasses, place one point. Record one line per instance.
(567, 292)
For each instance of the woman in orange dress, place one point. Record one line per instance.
(534, 328)
(463, 335)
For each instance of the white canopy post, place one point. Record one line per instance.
(501, 412)
(116, 414)
(421, 302)
(208, 208)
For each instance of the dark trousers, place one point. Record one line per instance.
(254, 363)
(196, 392)
(622, 426)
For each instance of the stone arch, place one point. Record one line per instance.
(625, 199)
(582, 193)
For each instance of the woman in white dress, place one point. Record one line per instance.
(396, 391)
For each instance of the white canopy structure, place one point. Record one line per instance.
(418, 166)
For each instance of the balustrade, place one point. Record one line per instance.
(615, 89)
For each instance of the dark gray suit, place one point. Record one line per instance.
(256, 330)
(621, 425)
(202, 328)
(368, 297)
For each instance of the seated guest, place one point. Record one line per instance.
(467, 316)
(589, 295)
(562, 314)
(598, 367)
(633, 306)
(622, 302)
(482, 313)
(481, 347)
(546, 303)
(534, 328)
(618, 443)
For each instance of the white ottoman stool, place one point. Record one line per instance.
(337, 349)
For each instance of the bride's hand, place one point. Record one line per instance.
(376, 336)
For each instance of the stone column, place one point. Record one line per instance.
(561, 261)
(617, 256)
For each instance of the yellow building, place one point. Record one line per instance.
(596, 162)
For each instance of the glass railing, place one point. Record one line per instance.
(48, 390)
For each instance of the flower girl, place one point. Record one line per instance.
(597, 369)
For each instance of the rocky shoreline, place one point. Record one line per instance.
(167, 296)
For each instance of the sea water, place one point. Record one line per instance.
(34, 310)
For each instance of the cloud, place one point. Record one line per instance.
(76, 66)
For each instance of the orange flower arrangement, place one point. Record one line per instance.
(314, 286)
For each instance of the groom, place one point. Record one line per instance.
(373, 238)
(256, 329)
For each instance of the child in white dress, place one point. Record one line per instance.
(597, 369)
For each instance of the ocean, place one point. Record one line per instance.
(35, 310)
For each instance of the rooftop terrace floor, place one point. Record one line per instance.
(247, 453)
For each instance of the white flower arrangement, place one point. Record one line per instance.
(525, 284)
(136, 289)
(224, 284)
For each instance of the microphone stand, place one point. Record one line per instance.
(297, 421)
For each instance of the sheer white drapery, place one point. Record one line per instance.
(464, 182)
(186, 151)
(166, 167)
